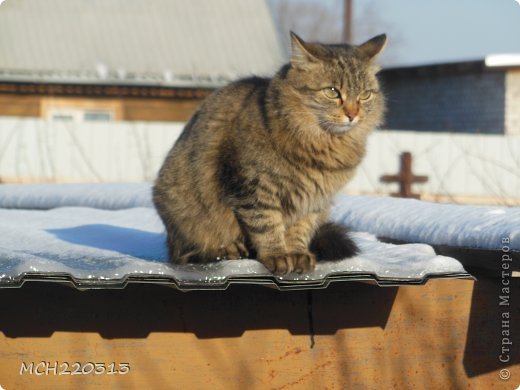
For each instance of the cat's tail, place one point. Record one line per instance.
(332, 242)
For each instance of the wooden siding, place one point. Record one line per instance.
(131, 109)
(159, 109)
(444, 335)
(24, 106)
(128, 103)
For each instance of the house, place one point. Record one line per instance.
(465, 97)
(153, 60)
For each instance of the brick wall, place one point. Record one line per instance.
(513, 102)
(466, 102)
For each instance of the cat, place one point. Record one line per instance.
(255, 169)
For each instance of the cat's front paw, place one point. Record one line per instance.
(304, 262)
(284, 264)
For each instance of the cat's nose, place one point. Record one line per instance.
(351, 111)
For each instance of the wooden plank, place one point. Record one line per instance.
(25, 106)
(177, 110)
(445, 334)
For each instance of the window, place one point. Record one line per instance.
(97, 116)
(63, 117)
(80, 110)
(80, 115)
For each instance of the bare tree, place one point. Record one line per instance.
(312, 19)
(323, 21)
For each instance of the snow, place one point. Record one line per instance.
(410, 220)
(504, 59)
(407, 220)
(111, 196)
(95, 244)
(106, 232)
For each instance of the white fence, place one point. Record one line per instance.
(460, 167)
(34, 150)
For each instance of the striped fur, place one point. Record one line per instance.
(256, 167)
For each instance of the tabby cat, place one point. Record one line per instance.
(255, 169)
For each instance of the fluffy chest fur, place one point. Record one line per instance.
(314, 172)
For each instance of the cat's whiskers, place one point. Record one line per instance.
(334, 126)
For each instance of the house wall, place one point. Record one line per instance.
(128, 109)
(459, 102)
(513, 102)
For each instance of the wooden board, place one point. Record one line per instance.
(444, 335)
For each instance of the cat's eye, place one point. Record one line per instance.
(365, 95)
(331, 93)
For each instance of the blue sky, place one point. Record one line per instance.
(444, 30)
(421, 31)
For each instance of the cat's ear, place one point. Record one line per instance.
(300, 52)
(374, 46)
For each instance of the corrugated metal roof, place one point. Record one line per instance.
(65, 233)
(181, 42)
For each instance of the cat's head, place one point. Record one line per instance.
(337, 84)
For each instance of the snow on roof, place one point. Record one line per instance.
(410, 220)
(503, 60)
(107, 196)
(96, 247)
(156, 42)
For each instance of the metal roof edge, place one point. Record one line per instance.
(492, 62)
(269, 281)
(130, 79)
